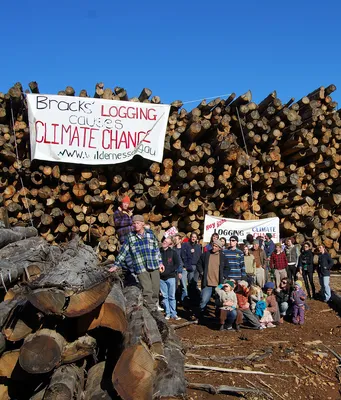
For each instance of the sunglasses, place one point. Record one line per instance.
(233, 240)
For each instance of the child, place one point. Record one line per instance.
(258, 307)
(298, 297)
(228, 304)
(271, 302)
(256, 295)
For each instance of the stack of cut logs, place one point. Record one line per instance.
(289, 152)
(70, 331)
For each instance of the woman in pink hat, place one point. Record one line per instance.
(123, 219)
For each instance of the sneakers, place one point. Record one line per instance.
(222, 327)
(229, 328)
(271, 325)
(177, 318)
(167, 317)
(262, 327)
(160, 308)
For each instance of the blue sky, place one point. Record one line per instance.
(180, 50)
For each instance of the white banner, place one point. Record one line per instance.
(94, 131)
(227, 227)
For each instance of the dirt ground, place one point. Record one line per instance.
(302, 367)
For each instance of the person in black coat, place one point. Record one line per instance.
(306, 267)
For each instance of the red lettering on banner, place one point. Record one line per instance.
(210, 226)
(130, 112)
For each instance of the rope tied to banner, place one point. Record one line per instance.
(19, 165)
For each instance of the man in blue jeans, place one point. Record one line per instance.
(171, 262)
(211, 267)
(190, 254)
(325, 264)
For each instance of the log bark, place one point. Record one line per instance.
(66, 383)
(95, 383)
(136, 363)
(84, 285)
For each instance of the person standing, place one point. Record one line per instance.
(211, 267)
(325, 264)
(292, 256)
(250, 266)
(298, 301)
(269, 248)
(143, 248)
(171, 261)
(260, 259)
(190, 253)
(123, 220)
(279, 263)
(234, 261)
(306, 267)
(209, 246)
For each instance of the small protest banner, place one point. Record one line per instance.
(171, 232)
(95, 131)
(227, 227)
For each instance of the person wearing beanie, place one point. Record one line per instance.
(279, 263)
(210, 266)
(234, 261)
(260, 258)
(146, 262)
(123, 219)
(298, 297)
(227, 301)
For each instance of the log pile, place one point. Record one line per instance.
(289, 152)
(73, 331)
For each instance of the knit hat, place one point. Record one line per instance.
(269, 285)
(126, 199)
(218, 243)
(234, 237)
(268, 235)
(230, 283)
(243, 283)
(298, 283)
(138, 218)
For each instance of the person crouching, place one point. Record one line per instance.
(298, 297)
(228, 305)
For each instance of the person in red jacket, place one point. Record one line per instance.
(279, 263)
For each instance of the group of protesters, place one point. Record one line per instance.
(255, 287)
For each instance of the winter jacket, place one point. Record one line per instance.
(123, 223)
(325, 264)
(298, 297)
(190, 257)
(269, 248)
(282, 296)
(226, 296)
(178, 252)
(171, 261)
(292, 254)
(202, 267)
(305, 261)
(278, 261)
(271, 303)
